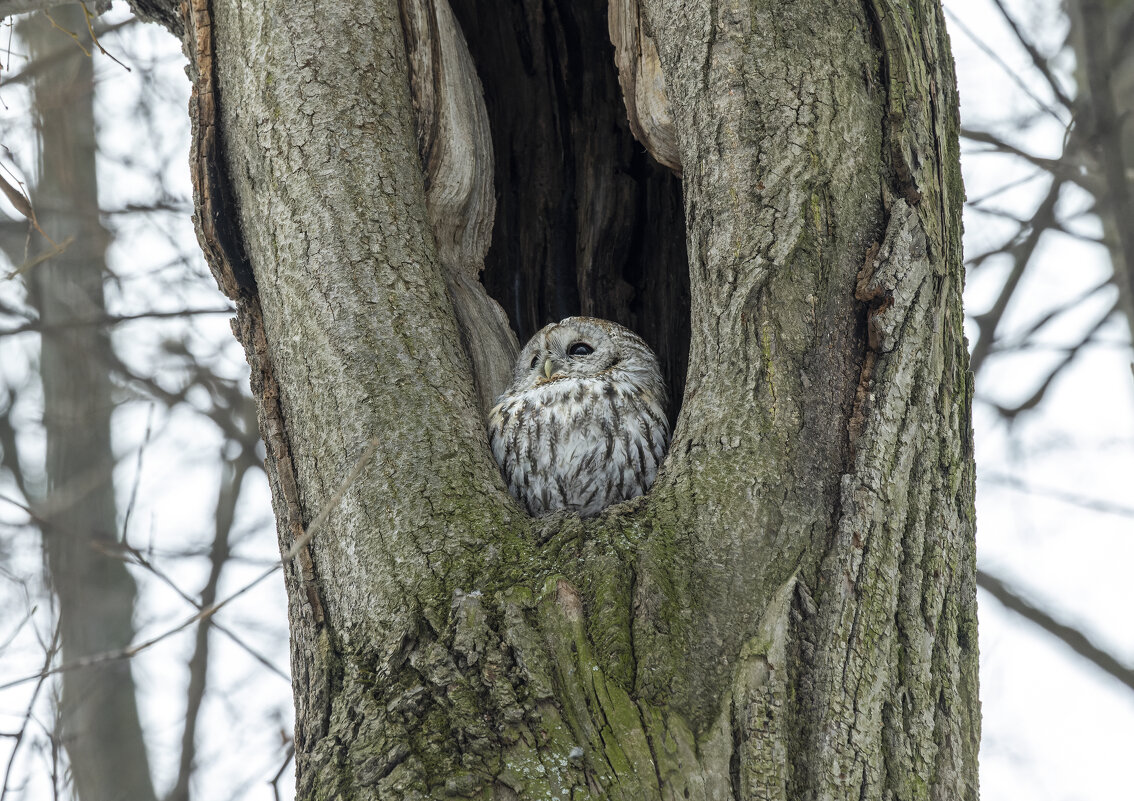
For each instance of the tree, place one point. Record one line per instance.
(83, 737)
(1093, 158)
(790, 612)
(75, 510)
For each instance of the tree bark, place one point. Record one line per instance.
(99, 714)
(790, 612)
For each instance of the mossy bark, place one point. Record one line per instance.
(790, 612)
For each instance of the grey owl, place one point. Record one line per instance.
(583, 423)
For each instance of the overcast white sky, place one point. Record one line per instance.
(1054, 726)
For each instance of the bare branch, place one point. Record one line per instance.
(52, 60)
(1068, 635)
(138, 474)
(275, 782)
(990, 320)
(109, 319)
(1072, 352)
(9, 8)
(234, 472)
(1060, 167)
(1011, 73)
(1034, 328)
(977, 201)
(135, 557)
(49, 657)
(1073, 498)
(131, 651)
(1038, 59)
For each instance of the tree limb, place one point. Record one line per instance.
(9, 8)
(1082, 501)
(1043, 219)
(1011, 73)
(1038, 60)
(1041, 391)
(107, 320)
(1068, 635)
(1057, 167)
(232, 478)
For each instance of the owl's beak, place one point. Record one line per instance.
(548, 367)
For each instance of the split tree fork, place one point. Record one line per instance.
(790, 612)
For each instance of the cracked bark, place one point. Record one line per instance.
(790, 613)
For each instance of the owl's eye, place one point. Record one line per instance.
(580, 349)
(535, 361)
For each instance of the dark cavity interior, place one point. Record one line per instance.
(586, 221)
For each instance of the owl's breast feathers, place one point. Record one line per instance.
(579, 443)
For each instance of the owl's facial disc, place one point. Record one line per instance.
(576, 348)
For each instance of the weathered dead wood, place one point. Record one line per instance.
(643, 83)
(456, 155)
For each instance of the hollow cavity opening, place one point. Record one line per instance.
(586, 221)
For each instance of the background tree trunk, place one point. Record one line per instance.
(100, 726)
(790, 613)
(1101, 33)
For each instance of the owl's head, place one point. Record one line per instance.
(586, 348)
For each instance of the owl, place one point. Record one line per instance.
(583, 423)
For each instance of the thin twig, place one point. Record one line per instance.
(990, 320)
(138, 473)
(275, 782)
(49, 657)
(19, 627)
(56, 249)
(22, 203)
(1035, 327)
(1073, 351)
(1058, 167)
(43, 63)
(87, 16)
(70, 33)
(109, 319)
(1038, 60)
(977, 201)
(135, 557)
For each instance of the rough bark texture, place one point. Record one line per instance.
(642, 80)
(790, 612)
(99, 714)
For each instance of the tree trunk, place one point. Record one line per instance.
(790, 612)
(1100, 32)
(101, 730)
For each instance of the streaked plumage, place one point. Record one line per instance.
(578, 430)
